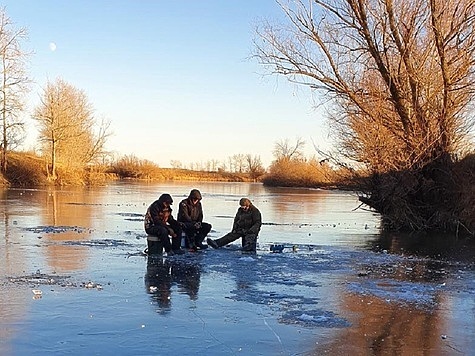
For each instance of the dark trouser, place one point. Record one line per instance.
(195, 236)
(162, 233)
(249, 241)
(154, 247)
(176, 241)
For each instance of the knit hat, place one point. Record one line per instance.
(195, 194)
(165, 198)
(244, 202)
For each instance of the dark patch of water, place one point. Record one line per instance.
(436, 246)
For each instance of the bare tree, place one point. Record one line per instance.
(176, 164)
(254, 166)
(68, 128)
(285, 150)
(222, 167)
(13, 85)
(214, 165)
(238, 162)
(400, 74)
(97, 139)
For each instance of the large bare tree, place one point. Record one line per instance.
(398, 77)
(397, 74)
(68, 130)
(13, 85)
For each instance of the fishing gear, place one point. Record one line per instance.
(280, 248)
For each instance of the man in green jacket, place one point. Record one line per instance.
(247, 224)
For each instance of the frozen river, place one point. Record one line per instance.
(74, 281)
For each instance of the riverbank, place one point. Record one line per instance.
(29, 170)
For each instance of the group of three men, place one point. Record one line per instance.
(160, 226)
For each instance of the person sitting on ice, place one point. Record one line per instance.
(190, 216)
(159, 224)
(247, 224)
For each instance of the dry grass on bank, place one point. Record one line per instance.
(3, 181)
(187, 175)
(289, 173)
(25, 170)
(29, 170)
(130, 167)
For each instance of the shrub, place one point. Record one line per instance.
(300, 173)
(438, 197)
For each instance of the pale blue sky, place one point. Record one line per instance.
(172, 76)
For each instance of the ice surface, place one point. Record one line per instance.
(343, 287)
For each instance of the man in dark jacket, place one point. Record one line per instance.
(159, 225)
(247, 224)
(190, 215)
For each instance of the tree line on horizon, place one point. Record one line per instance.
(290, 167)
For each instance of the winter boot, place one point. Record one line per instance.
(212, 243)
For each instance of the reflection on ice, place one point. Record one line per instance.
(165, 273)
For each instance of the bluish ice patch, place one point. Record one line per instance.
(56, 229)
(97, 243)
(39, 278)
(401, 292)
(289, 224)
(269, 297)
(314, 318)
(288, 283)
(131, 216)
